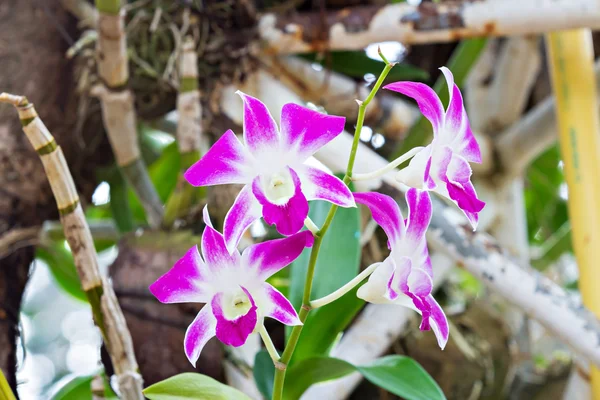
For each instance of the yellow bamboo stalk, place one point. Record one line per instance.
(571, 58)
(5, 391)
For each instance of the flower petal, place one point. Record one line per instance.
(288, 218)
(386, 213)
(244, 211)
(183, 283)
(278, 307)
(418, 172)
(419, 282)
(461, 190)
(198, 333)
(419, 214)
(439, 323)
(457, 127)
(234, 332)
(260, 129)
(428, 101)
(375, 289)
(227, 161)
(304, 131)
(215, 252)
(319, 185)
(271, 256)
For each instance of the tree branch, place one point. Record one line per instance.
(357, 27)
(118, 110)
(105, 308)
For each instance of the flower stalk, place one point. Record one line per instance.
(390, 167)
(306, 304)
(105, 307)
(264, 335)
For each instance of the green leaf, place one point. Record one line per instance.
(463, 58)
(264, 373)
(356, 64)
(120, 203)
(313, 370)
(61, 265)
(163, 174)
(403, 377)
(80, 387)
(324, 324)
(192, 386)
(338, 260)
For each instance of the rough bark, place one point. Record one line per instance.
(33, 63)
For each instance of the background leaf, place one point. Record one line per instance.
(339, 257)
(80, 388)
(61, 265)
(403, 377)
(264, 373)
(313, 370)
(357, 63)
(192, 386)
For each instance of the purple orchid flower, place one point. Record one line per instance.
(232, 286)
(271, 165)
(405, 276)
(443, 166)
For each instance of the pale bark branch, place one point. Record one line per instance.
(105, 308)
(357, 27)
(118, 111)
(527, 139)
(388, 114)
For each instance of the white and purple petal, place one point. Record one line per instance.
(278, 307)
(198, 333)
(227, 161)
(304, 131)
(457, 128)
(461, 190)
(320, 185)
(375, 289)
(260, 129)
(438, 321)
(428, 101)
(185, 282)
(215, 252)
(269, 257)
(418, 172)
(244, 211)
(288, 218)
(234, 332)
(419, 215)
(385, 212)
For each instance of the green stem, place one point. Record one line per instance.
(281, 366)
(111, 7)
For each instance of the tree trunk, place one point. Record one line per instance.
(32, 55)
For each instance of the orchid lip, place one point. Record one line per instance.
(278, 188)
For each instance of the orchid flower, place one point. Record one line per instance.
(443, 166)
(405, 276)
(232, 286)
(270, 164)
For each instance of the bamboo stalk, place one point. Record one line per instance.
(5, 390)
(105, 308)
(571, 58)
(118, 111)
(355, 28)
(189, 133)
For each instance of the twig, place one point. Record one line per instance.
(357, 27)
(189, 131)
(105, 308)
(118, 109)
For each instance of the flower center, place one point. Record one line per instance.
(279, 187)
(235, 304)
